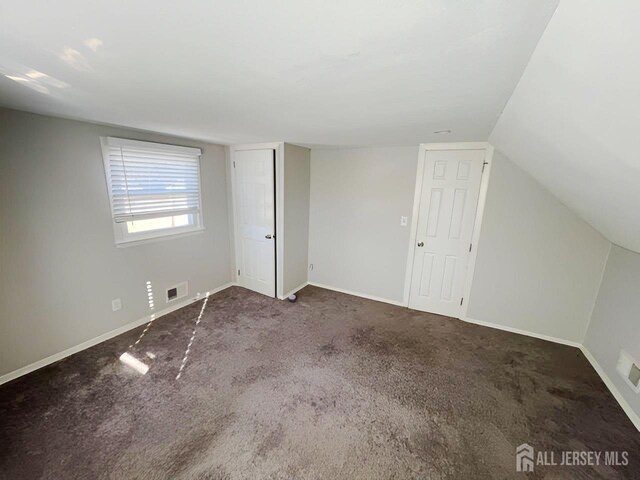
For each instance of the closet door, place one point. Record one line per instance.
(254, 199)
(448, 201)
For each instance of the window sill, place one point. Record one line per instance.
(159, 238)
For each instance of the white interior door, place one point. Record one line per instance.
(447, 210)
(255, 217)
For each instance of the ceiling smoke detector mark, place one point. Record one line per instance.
(629, 370)
(177, 291)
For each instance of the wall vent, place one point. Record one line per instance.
(177, 291)
(629, 370)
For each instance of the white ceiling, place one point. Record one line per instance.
(572, 122)
(360, 72)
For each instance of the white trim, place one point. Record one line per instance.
(121, 236)
(522, 332)
(161, 238)
(358, 294)
(635, 419)
(279, 186)
(230, 214)
(484, 187)
(414, 227)
(162, 147)
(234, 214)
(256, 146)
(477, 226)
(295, 290)
(105, 336)
(278, 147)
(455, 146)
(633, 416)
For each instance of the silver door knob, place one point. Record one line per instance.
(421, 244)
(267, 237)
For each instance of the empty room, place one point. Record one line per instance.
(307, 239)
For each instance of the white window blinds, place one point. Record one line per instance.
(151, 180)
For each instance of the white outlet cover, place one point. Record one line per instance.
(116, 304)
(404, 221)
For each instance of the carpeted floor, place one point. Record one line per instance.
(331, 387)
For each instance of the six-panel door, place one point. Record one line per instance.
(448, 201)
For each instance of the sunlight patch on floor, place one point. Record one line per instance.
(193, 336)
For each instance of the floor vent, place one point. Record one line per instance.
(177, 291)
(629, 369)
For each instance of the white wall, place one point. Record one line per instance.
(60, 266)
(357, 198)
(539, 266)
(616, 317)
(572, 121)
(297, 178)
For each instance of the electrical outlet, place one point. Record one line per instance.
(404, 221)
(116, 304)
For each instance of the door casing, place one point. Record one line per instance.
(278, 147)
(484, 185)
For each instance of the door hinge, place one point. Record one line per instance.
(470, 245)
(461, 300)
(234, 164)
(238, 272)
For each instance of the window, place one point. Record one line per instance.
(154, 189)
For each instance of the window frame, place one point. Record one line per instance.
(123, 237)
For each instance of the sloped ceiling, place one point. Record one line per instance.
(574, 119)
(358, 72)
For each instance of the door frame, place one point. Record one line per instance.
(475, 237)
(278, 147)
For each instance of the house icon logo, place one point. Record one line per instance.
(524, 458)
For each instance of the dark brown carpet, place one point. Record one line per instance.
(330, 387)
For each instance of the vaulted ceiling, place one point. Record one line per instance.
(361, 72)
(364, 72)
(573, 119)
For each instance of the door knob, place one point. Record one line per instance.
(268, 237)
(421, 244)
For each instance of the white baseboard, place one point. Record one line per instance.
(295, 290)
(523, 332)
(358, 294)
(633, 416)
(101, 338)
(635, 419)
